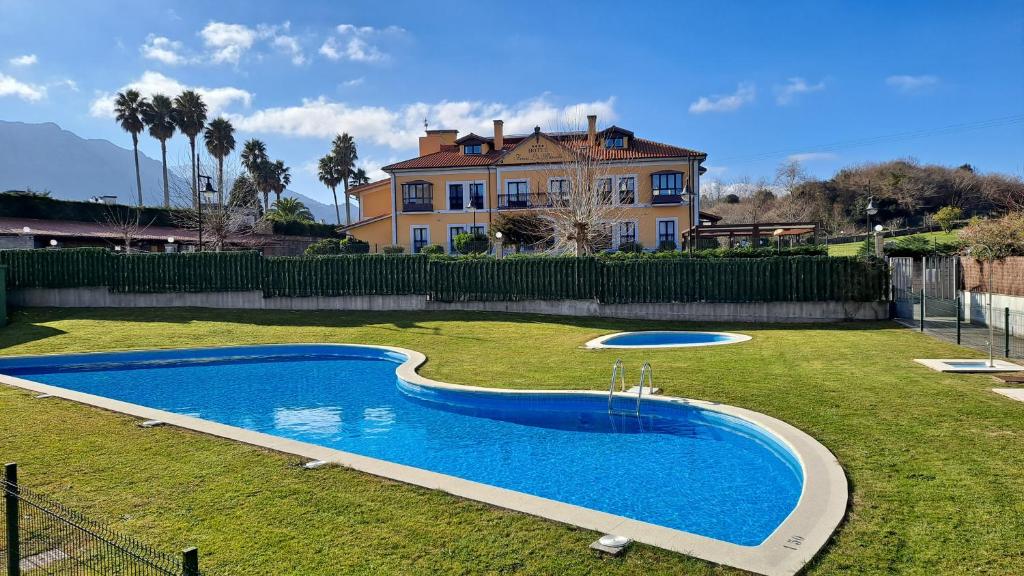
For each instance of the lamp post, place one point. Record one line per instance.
(778, 239)
(871, 210)
(499, 249)
(206, 196)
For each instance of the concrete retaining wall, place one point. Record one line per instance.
(101, 297)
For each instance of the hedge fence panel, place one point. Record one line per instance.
(792, 278)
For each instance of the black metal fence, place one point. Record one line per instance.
(926, 296)
(43, 536)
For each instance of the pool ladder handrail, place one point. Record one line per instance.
(617, 370)
(646, 374)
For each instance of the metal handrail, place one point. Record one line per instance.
(645, 373)
(617, 370)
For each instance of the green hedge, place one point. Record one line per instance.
(353, 275)
(778, 279)
(71, 268)
(187, 272)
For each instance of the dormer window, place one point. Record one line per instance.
(471, 149)
(616, 141)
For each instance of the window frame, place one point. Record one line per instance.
(675, 230)
(451, 238)
(426, 196)
(664, 174)
(412, 237)
(618, 192)
(477, 147)
(615, 142)
(617, 238)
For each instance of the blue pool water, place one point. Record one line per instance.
(677, 466)
(663, 338)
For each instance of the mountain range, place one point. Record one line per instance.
(46, 158)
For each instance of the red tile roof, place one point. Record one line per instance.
(639, 149)
(369, 220)
(70, 228)
(368, 186)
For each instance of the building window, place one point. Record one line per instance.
(471, 149)
(667, 184)
(559, 188)
(627, 233)
(417, 197)
(517, 194)
(455, 196)
(627, 190)
(604, 189)
(420, 238)
(454, 231)
(666, 232)
(615, 142)
(476, 195)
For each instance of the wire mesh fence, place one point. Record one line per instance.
(42, 536)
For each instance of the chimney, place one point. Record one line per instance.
(499, 135)
(591, 129)
(434, 139)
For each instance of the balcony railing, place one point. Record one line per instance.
(667, 199)
(417, 206)
(520, 201)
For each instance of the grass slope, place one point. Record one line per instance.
(935, 461)
(850, 248)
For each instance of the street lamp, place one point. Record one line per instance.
(499, 249)
(472, 210)
(871, 210)
(206, 196)
(879, 243)
(778, 235)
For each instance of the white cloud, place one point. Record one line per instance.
(218, 100)
(290, 46)
(66, 83)
(905, 83)
(163, 49)
(228, 42)
(356, 43)
(354, 82)
(794, 86)
(10, 86)
(399, 128)
(812, 156)
(24, 60)
(744, 94)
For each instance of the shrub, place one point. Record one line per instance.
(432, 249)
(393, 249)
(467, 243)
(631, 247)
(946, 216)
(350, 245)
(323, 247)
(666, 246)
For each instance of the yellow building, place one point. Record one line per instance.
(456, 184)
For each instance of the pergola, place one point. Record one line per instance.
(755, 231)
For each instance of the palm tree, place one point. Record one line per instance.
(282, 178)
(244, 193)
(158, 114)
(128, 108)
(259, 167)
(358, 178)
(220, 142)
(329, 172)
(191, 117)
(344, 151)
(290, 210)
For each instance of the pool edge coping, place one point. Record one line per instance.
(599, 342)
(795, 542)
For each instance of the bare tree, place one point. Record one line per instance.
(219, 223)
(581, 192)
(127, 222)
(789, 174)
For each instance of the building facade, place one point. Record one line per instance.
(463, 184)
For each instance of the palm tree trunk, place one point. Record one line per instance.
(167, 189)
(220, 180)
(266, 200)
(337, 212)
(138, 174)
(195, 173)
(348, 211)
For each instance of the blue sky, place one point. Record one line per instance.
(750, 83)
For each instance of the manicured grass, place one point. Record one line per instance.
(935, 461)
(850, 248)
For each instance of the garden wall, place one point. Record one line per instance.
(1007, 275)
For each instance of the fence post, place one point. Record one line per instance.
(11, 502)
(924, 288)
(190, 561)
(1006, 332)
(958, 319)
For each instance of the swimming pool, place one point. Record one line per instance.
(665, 339)
(678, 468)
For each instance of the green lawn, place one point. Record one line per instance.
(850, 248)
(935, 462)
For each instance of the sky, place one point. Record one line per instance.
(751, 83)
